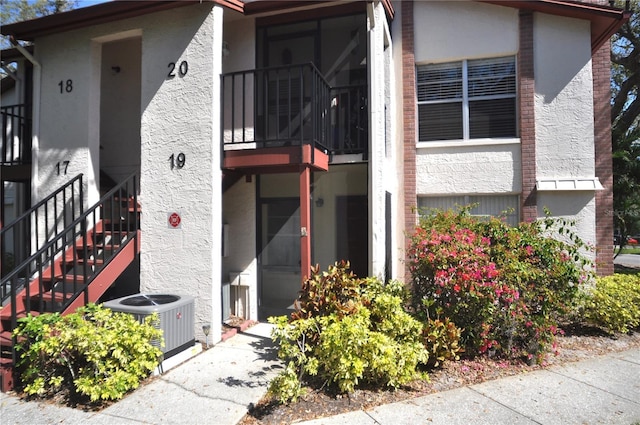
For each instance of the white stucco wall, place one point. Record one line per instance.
(453, 30)
(340, 180)
(448, 31)
(577, 206)
(239, 214)
(397, 134)
(239, 38)
(564, 97)
(564, 116)
(179, 115)
(120, 108)
(67, 118)
(377, 174)
(469, 169)
(392, 167)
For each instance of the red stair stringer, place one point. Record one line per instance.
(108, 274)
(105, 278)
(46, 275)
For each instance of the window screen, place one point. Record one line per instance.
(484, 205)
(469, 99)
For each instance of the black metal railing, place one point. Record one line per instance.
(349, 120)
(16, 134)
(279, 106)
(39, 224)
(293, 105)
(66, 265)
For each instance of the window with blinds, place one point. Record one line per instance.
(470, 99)
(482, 205)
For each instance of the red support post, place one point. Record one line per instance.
(305, 222)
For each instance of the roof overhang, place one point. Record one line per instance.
(605, 20)
(252, 7)
(122, 9)
(94, 15)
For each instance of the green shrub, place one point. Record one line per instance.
(347, 332)
(506, 287)
(333, 291)
(614, 303)
(92, 353)
(442, 340)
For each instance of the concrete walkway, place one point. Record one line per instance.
(214, 387)
(603, 390)
(218, 385)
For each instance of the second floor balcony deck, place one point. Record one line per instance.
(285, 116)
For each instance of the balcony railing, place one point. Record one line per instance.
(292, 106)
(349, 120)
(16, 135)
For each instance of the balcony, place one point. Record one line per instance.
(276, 119)
(16, 142)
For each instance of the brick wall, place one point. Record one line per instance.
(526, 86)
(601, 68)
(409, 121)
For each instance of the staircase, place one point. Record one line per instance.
(74, 265)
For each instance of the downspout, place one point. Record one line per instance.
(35, 115)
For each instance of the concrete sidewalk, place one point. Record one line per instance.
(218, 385)
(214, 387)
(603, 390)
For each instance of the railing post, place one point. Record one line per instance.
(302, 74)
(85, 251)
(242, 104)
(233, 108)
(222, 102)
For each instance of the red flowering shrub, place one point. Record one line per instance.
(505, 287)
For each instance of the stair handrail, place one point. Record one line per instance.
(51, 250)
(45, 200)
(40, 211)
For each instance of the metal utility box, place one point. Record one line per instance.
(176, 314)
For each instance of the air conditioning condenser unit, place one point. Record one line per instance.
(176, 314)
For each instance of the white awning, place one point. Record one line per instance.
(566, 184)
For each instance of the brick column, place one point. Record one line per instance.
(409, 122)
(601, 69)
(526, 87)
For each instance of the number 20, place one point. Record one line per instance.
(183, 68)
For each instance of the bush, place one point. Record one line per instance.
(614, 303)
(506, 287)
(347, 332)
(442, 340)
(91, 353)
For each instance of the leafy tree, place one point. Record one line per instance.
(625, 58)
(22, 10)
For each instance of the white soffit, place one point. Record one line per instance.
(566, 184)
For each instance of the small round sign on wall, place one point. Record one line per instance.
(174, 220)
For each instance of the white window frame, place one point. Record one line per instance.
(466, 126)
